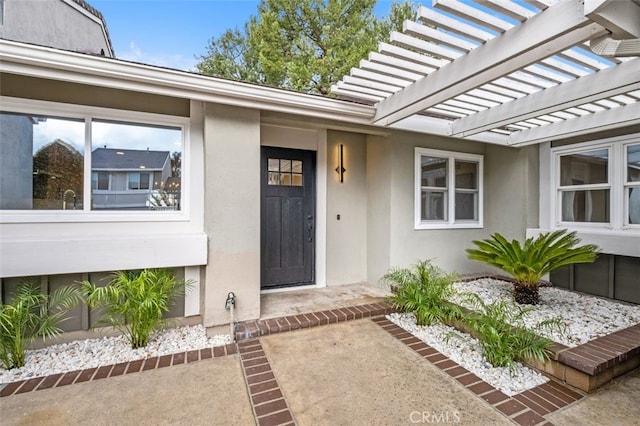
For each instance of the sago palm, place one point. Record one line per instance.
(528, 263)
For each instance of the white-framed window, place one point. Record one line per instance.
(61, 162)
(100, 181)
(448, 189)
(138, 181)
(597, 184)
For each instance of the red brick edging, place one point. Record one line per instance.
(268, 403)
(525, 408)
(96, 373)
(257, 328)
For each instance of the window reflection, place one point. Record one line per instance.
(41, 162)
(141, 163)
(284, 172)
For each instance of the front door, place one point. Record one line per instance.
(287, 217)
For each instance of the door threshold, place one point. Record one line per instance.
(291, 288)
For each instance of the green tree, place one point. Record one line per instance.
(303, 45)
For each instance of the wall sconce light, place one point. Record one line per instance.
(340, 169)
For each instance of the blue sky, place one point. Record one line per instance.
(173, 33)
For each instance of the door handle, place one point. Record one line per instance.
(310, 229)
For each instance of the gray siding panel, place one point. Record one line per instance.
(627, 273)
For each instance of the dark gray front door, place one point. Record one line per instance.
(288, 217)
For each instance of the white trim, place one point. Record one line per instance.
(44, 62)
(321, 209)
(450, 222)
(64, 254)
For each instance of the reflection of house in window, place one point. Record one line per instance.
(128, 178)
(57, 177)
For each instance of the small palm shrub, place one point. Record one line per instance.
(134, 301)
(528, 263)
(30, 314)
(500, 328)
(423, 290)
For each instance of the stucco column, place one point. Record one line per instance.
(232, 212)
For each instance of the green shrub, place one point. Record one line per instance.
(423, 290)
(528, 263)
(134, 302)
(32, 314)
(501, 330)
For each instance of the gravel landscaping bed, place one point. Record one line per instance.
(82, 354)
(466, 351)
(586, 318)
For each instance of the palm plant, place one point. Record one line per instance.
(423, 290)
(134, 302)
(500, 328)
(528, 263)
(32, 314)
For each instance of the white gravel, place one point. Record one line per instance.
(586, 318)
(467, 352)
(82, 354)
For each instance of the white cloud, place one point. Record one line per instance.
(179, 61)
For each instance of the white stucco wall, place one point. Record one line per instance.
(232, 212)
(347, 236)
(510, 203)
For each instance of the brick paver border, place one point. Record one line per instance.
(526, 408)
(267, 401)
(103, 372)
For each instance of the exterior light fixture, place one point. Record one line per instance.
(340, 169)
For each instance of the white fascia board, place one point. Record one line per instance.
(554, 30)
(602, 84)
(606, 120)
(44, 62)
(438, 126)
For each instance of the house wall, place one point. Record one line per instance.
(509, 194)
(379, 173)
(59, 23)
(232, 212)
(347, 236)
(444, 246)
(52, 243)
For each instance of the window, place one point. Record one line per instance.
(284, 172)
(598, 185)
(41, 162)
(100, 181)
(448, 189)
(632, 184)
(138, 181)
(584, 186)
(45, 159)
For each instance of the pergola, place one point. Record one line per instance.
(510, 72)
